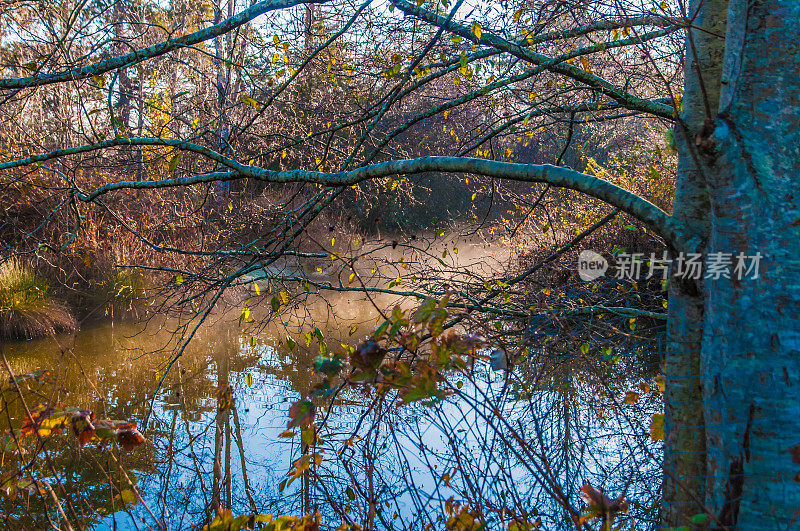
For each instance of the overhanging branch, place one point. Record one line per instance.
(107, 65)
(590, 185)
(522, 52)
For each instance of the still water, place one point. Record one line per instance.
(495, 443)
(115, 370)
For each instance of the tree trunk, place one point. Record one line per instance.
(685, 444)
(751, 340)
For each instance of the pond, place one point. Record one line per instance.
(518, 444)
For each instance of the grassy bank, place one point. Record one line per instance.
(28, 307)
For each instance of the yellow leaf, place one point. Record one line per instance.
(99, 80)
(477, 30)
(249, 380)
(250, 101)
(517, 15)
(256, 288)
(128, 496)
(585, 63)
(276, 40)
(446, 114)
(657, 427)
(351, 278)
(284, 297)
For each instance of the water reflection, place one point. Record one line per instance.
(503, 442)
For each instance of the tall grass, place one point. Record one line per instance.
(117, 292)
(27, 307)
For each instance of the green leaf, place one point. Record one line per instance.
(290, 342)
(106, 433)
(381, 330)
(436, 324)
(424, 312)
(173, 162)
(275, 303)
(699, 518)
(350, 494)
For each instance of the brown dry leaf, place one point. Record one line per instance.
(130, 439)
(301, 414)
(600, 505)
(367, 356)
(225, 400)
(631, 397)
